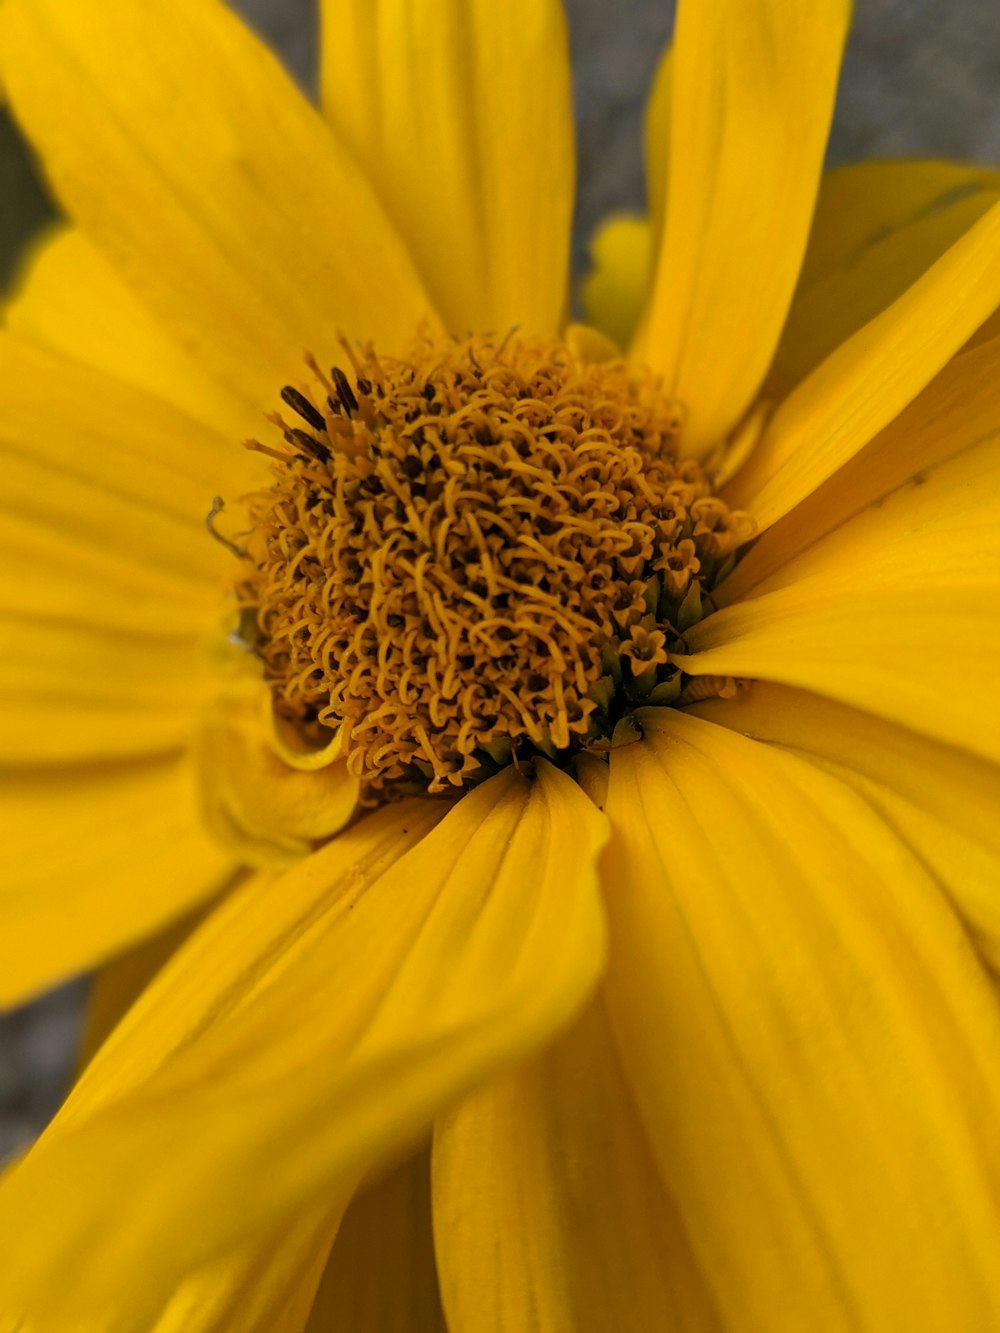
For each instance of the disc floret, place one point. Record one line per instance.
(483, 550)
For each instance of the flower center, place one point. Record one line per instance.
(484, 551)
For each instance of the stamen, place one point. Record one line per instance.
(480, 552)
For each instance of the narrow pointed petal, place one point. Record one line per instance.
(460, 111)
(548, 1209)
(381, 1275)
(878, 226)
(942, 801)
(850, 616)
(234, 216)
(95, 859)
(958, 410)
(367, 989)
(810, 1037)
(873, 376)
(752, 90)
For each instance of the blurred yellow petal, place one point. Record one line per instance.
(958, 409)
(381, 1276)
(233, 215)
(869, 379)
(460, 111)
(71, 692)
(267, 811)
(942, 801)
(267, 1287)
(751, 95)
(91, 458)
(109, 584)
(117, 985)
(96, 859)
(656, 137)
(548, 1209)
(810, 1037)
(854, 617)
(878, 226)
(614, 290)
(860, 206)
(71, 300)
(453, 950)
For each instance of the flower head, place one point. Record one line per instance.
(573, 743)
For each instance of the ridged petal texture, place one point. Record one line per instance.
(346, 1003)
(810, 1037)
(460, 112)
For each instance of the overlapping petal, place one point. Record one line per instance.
(549, 1212)
(209, 182)
(853, 616)
(71, 300)
(109, 581)
(381, 1275)
(878, 226)
(478, 178)
(869, 379)
(94, 860)
(958, 410)
(942, 801)
(751, 96)
(453, 951)
(810, 1037)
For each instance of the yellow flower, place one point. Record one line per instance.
(664, 884)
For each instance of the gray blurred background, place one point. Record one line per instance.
(921, 79)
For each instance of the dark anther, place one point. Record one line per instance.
(299, 403)
(344, 391)
(412, 466)
(429, 391)
(364, 386)
(312, 446)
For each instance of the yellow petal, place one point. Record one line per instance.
(460, 112)
(75, 692)
(91, 458)
(178, 143)
(856, 616)
(878, 226)
(94, 860)
(614, 290)
(109, 582)
(71, 300)
(548, 1210)
(958, 409)
(267, 1287)
(860, 206)
(942, 801)
(381, 1276)
(870, 378)
(117, 985)
(751, 95)
(374, 984)
(268, 811)
(810, 1037)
